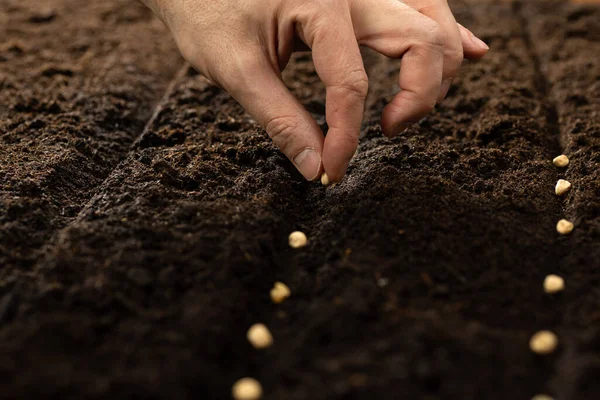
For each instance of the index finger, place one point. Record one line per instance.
(339, 64)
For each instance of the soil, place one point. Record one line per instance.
(144, 218)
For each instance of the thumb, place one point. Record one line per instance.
(260, 90)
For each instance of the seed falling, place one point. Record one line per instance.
(562, 187)
(247, 389)
(554, 284)
(564, 227)
(543, 342)
(542, 397)
(280, 292)
(325, 179)
(297, 239)
(561, 161)
(259, 336)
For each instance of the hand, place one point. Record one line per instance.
(243, 45)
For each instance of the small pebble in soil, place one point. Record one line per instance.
(543, 342)
(564, 227)
(562, 187)
(542, 397)
(280, 292)
(247, 389)
(554, 284)
(297, 239)
(325, 179)
(259, 336)
(561, 161)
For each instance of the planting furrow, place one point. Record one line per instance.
(563, 36)
(69, 113)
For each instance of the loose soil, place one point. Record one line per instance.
(144, 218)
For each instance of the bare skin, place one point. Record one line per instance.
(243, 45)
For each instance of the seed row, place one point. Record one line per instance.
(545, 342)
(259, 336)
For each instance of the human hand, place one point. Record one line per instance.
(243, 45)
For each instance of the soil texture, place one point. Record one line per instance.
(144, 218)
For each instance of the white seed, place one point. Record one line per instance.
(564, 227)
(554, 284)
(247, 389)
(542, 397)
(325, 179)
(562, 187)
(259, 336)
(543, 342)
(280, 292)
(561, 161)
(297, 239)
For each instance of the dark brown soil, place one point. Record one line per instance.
(144, 218)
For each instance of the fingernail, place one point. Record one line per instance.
(308, 163)
(480, 43)
(444, 89)
(399, 128)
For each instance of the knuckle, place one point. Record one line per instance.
(281, 130)
(236, 74)
(433, 33)
(438, 36)
(356, 83)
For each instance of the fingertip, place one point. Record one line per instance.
(308, 162)
(473, 47)
(393, 124)
(336, 158)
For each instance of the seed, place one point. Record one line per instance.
(297, 239)
(259, 336)
(554, 284)
(561, 161)
(325, 179)
(562, 187)
(247, 389)
(543, 342)
(542, 397)
(280, 292)
(564, 227)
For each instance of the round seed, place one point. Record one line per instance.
(543, 342)
(325, 179)
(564, 227)
(247, 389)
(297, 239)
(259, 336)
(280, 292)
(562, 187)
(554, 284)
(542, 397)
(561, 161)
